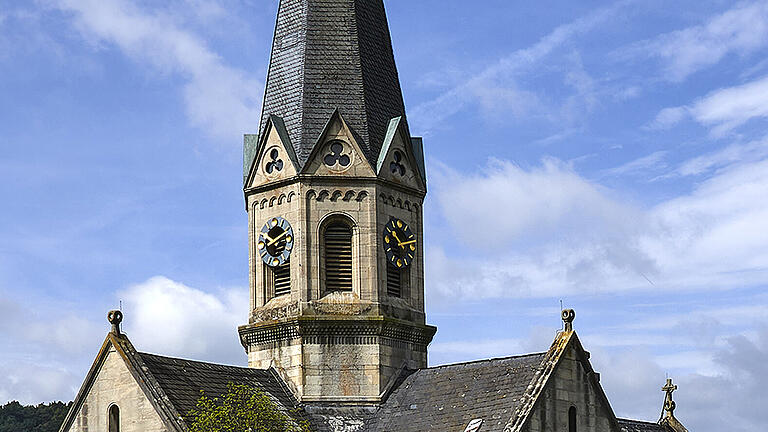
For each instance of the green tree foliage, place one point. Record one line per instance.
(242, 409)
(15, 417)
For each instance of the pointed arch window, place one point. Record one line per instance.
(337, 248)
(114, 418)
(572, 419)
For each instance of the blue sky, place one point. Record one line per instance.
(617, 150)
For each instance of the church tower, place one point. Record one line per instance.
(334, 186)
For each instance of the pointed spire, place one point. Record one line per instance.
(328, 55)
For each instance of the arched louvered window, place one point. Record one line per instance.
(394, 281)
(337, 243)
(572, 419)
(114, 418)
(281, 279)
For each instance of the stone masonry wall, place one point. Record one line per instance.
(115, 385)
(570, 386)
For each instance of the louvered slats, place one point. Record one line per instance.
(338, 258)
(394, 283)
(282, 275)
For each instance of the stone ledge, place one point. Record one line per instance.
(357, 330)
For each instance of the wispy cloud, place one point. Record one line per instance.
(221, 100)
(740, 30)
(728, 108)
(668, 117)
(733, 153)
(496, 86)
(722, 110)
(653, 162)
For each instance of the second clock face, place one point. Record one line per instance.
(275, 242)
(399, 243)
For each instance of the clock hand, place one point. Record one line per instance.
(394, 234)
(274, 240)
(266, 236)
(401, 244)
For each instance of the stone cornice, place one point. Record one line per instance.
(344, 330)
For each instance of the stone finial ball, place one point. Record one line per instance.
(569, 315)
(115, 317)
(670, 405)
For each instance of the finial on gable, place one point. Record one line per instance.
(115, 317)
(669, 404)
(568, 316)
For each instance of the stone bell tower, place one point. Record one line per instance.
(334, 185)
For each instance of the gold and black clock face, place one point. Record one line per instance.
(275, 242)
(399, 243)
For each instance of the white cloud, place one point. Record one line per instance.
(733, 399)
(668, 117)
(513, 202)
(61, 330)
(31, 383)
(722, 110)
(168, 317)
(220, 100)
(548, 232)
(731, 107)
(741, 30)
(46, 351)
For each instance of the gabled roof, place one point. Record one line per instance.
(328, 55)
(447, 398)
(173, 385)
(182, 380)
(502, 392)
(133, 360)
(563, 342)
(253, 146)
(627, 425)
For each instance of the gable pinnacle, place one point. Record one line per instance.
(115, 317)
(669, 404)
(568, 316)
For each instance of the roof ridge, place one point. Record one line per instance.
(636, 421)
(486, 360)
(198, 361)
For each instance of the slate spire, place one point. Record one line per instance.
(328, 55)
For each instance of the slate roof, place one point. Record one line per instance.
(330, 54)
(442, 398)
(640, 426)
(447, 398)
(182, 380)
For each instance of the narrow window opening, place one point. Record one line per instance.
(114, 418)
(572, 419)
(282, 279)
(338, 257)
(394, 281)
